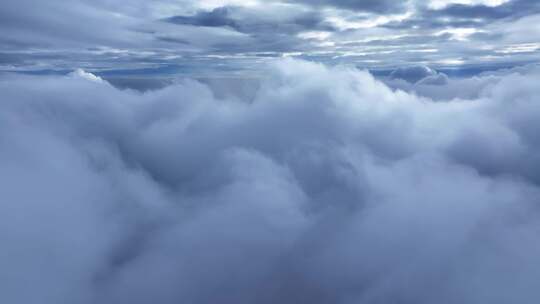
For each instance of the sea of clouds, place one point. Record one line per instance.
(325, 185)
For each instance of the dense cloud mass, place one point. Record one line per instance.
(323, 185)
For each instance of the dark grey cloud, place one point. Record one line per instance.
(269, 35)
(216, 17)
(379, 6)
(468, 15)
(512, 8)
(310, 184)
(239, 19)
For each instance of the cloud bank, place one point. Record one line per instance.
(323, 186)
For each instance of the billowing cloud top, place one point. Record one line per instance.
(198, 37)
(320, 185)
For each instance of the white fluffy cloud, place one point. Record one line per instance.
(325, 186)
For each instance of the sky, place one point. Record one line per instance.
(203, 37)
(228, 151)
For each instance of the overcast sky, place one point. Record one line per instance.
(233, 34)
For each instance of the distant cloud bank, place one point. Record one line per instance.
(108, 35)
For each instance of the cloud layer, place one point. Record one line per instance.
(196, 36)
(322, 186)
